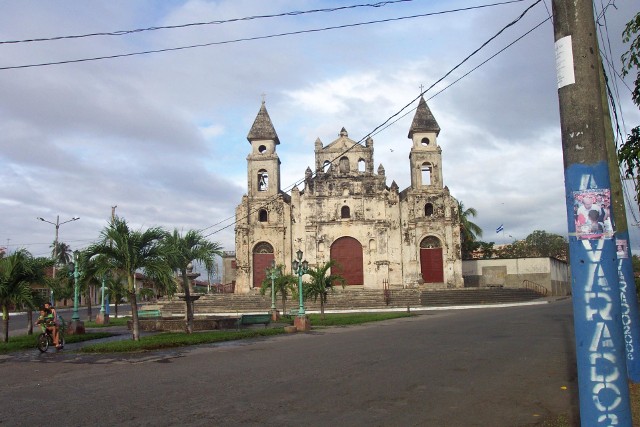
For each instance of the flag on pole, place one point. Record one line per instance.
(499, 229)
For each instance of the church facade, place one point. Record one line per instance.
(378, 235)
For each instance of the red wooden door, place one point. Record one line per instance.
(431, 265)
(260, 264)
(347, 254)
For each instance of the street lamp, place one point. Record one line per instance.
(300, 268)
(57, 224)
(76, 272)
(273, 273)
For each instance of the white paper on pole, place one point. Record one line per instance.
(564, 62)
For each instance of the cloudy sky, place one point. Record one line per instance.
(163, 135)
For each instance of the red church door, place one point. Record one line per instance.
(262, 257)
(431, 265)
(347, 254)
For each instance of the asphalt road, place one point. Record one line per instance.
(478, 367)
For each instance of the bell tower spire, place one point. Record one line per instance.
(263, 163)
(426, 156)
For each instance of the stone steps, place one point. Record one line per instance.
(472, 296)
(352, 300)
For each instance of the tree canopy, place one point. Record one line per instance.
(629, 151)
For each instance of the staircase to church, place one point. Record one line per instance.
(352, 300)
(474, 296)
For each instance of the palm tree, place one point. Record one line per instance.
(61, 253)
(17, 272)
(181, 251)
(125, 251)
(469, 231)
(90, 277)
(321, 284)
(115, 287)
(283, 285)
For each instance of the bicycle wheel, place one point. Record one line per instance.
(43, 342)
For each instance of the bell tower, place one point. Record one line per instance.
(426, 156)
(263, 164)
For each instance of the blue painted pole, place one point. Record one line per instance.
(628, 296)
(600, 350)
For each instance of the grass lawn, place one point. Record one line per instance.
(113, 321)
(180, 339)
(28, 342)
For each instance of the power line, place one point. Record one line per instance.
(195, 24)
(483, 45)
(245, 39)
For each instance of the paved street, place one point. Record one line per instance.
(478, 367)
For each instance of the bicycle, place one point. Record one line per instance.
(45, 339)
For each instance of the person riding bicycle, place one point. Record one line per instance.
(49, 318)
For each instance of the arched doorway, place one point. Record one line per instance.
(431, 265)
(347, 254)
(262, 257)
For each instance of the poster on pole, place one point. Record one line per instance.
(592, 214)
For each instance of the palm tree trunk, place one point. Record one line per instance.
(135, 324)
(89, 302)
(29, 322)
(187, 298)
(321, 308)
(284, 304)
(5, 323)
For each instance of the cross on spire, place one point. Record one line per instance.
(263, 95)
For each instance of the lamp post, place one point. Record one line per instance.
(76, 273)
(76, 326)
(103, 317)
(300, 268)
(57, 224)
(273, 273)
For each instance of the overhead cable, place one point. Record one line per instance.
(245, 39)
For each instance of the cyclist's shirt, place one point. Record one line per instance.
(49, 319)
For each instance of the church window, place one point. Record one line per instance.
(372, 245)
(345, 212)
(262, 149)
(361, 165)
(263, 180)
(426, 173)
(430, 242)
(428, 209)
(344, 165)
(425, 142)
(325, 166)
(263, 248)
(263, 215)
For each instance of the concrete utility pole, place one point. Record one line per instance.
(600, 350)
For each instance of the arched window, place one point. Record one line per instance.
(344, 165)
(428, 209)
(325, 166)
(345, 212)
(424, 142)
(426, 173)
(430, 242)
(263, 215)
(361, 165)
(263, 180)
(262, 149)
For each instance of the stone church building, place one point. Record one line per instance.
(377, 234)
